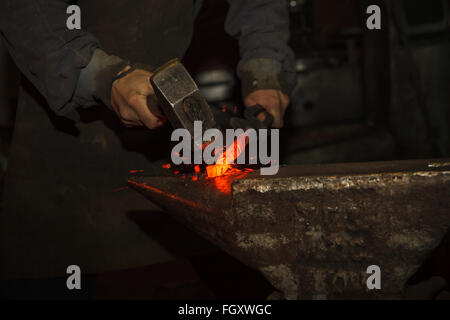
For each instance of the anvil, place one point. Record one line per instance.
(314, 230)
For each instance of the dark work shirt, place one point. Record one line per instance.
(52, 56)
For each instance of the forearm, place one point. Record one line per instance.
(94, 83)
(262, 28)
(47, 53)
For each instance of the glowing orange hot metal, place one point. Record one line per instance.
(226, 159)
(224, 171)
(223, 182)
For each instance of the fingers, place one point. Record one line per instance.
(119, 104)
(274, 108)
(139, 105)
(261, 117)
(129, 96)
(273, 101)
(284, 103)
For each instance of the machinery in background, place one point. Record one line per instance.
(361, 95)
(384, 93)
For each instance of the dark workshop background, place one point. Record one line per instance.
(361, 96)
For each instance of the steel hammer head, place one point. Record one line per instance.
(179, 97)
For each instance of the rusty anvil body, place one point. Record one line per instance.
(313, 230)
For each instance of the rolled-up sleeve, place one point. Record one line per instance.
(49, 54)
(262, 28)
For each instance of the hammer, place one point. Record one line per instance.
(179, 98)
(181, 101)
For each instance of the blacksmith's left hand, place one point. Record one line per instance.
(274, 101)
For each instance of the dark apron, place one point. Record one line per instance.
(64, 201)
